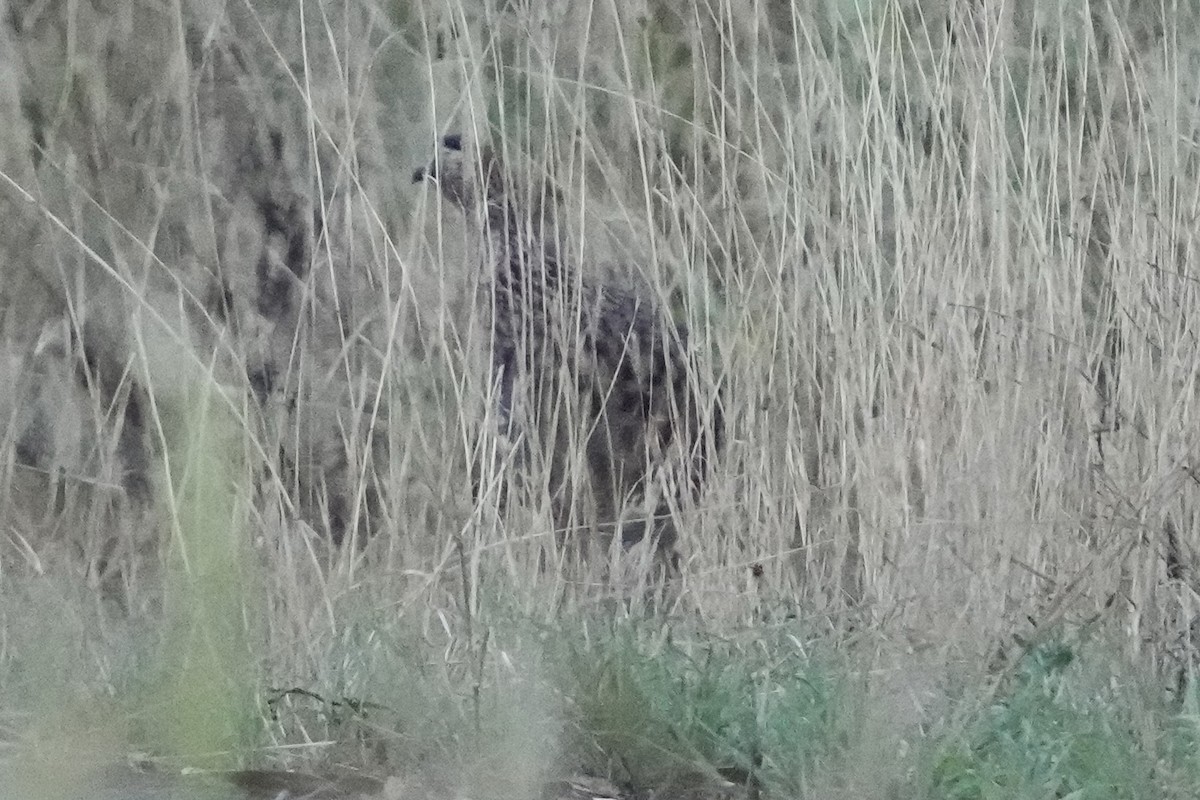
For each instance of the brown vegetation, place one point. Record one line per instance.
(938, 258)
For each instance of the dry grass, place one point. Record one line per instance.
(939, 257)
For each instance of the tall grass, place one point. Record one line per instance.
(935, 258)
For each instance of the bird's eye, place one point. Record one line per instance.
(453, 141)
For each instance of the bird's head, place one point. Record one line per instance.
(458, 175)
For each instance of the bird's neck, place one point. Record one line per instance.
(525, 256)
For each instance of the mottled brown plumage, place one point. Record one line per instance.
(582, 367)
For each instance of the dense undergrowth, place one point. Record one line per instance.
(938, 261)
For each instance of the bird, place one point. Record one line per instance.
(582, 367)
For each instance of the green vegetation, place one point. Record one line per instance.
(937, 258)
